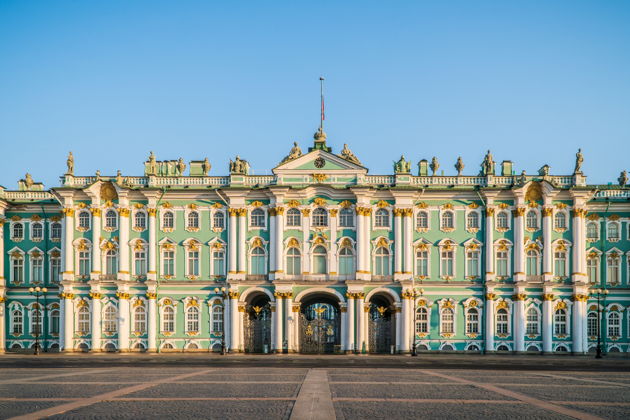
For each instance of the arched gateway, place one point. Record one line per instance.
(257, 324)
(381, 323)
(320, 324)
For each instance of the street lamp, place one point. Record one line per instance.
(600, 293)
(224, 294)
(414, 294)
(37, 292)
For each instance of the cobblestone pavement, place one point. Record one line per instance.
(318, 392)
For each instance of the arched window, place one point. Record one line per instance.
(560, 220)
(447, 321)
(168, 262)
(167, 346)
(54, 322)
(258, 261)
(472, 321)
(560, 263)
(346, 261)
(422, 320)
(294, 261)
(140, 220)
(381, 261)
(502, 322)
(168, 319)
(36, 322)
(17, 321)
(447, 262)
(448, 220)
(346, 218)
(139, 320)
(591, 324)
(531, 327)
(257, 218)
(168, 220)
(217, 319)
(320, 217)
(613, 231)
(560, 322)
(218, 220)
(109, 320)
(84, 220)
(381, 218)
(111, 219)
(319, 260)
(532, 220)
(473, 265)
(55, 231)
(422, 262)
(502, 263)
(37, 268)
(140, 262)
(111, 262)
(472, 220)
(294, 218)
(422, 220)
(192, 319)
(614, 324)
(592, 231)
(218, 262)
(18, 231)
(37, 231)
(502, 220)
(532, 266)
(193, 220)
(83, 320)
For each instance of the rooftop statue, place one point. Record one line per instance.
(487, 166)
(205, 167)
(402, 166)
(119, 178)
(544, 171)
(151, 165)
(435, 165)
(70, 164)
(522, 179)
(239, 166)
(181, 167)
(347, 154)
(98, 174)
(459, 166)
(623, 178)
(27, 184)
(294, 153)
(579, 159)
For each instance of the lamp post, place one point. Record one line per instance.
(224, 294)
(37, 292)
(599, 293)
(414, 294)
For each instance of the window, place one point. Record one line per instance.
(193, 220)
(140, 262)
(592, 231)
(502, 322)
(192, 319)
(111, 219)
(37, 269)
(36, 322)
(294, 261)
(422, 321)
(560, 322)
(168, 220)
(381, 218)
(447, 321)
(218, 220)
(111, 262)
(18, 231)
(612, 271)
(613, 231)
(168, 263)
(258, 261)
(614, 324)
(591, 324)
(319, 260)
(447, 259)
(17, 269)
(472, 262)
(84, 220)
(346, 218)
(218, 262)
(346, 261)
(257, 218)
(193, 263)
(592, 269)
(140, 220)
(84, 263)
(560, 220)
(109, 320)
(560, 263)
(139, 320)
(532, 220)
(55, 231)
(472, 220)
(422, 262)
(448, 220)
(531, 327)
(168, 320)
(83, 320)
(472, 321)
(217, 319)
(37, 231)
(422, 220)
(294, 218)
(320, 217)
(55, 269)
(502, 263)
(17, 320)
(381, 261)
(532, 268)
(54, 322)
(502, 220)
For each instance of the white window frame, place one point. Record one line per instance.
(135, 214)
(250, 214)
(454, 321)
(32, 231)
(352, 213)
(470, 212)
(31, 263)
(375, 225)
(610, 223)
(250, 249)
(163, 320)
(12, 235)
(187, 328)
(597, 230)
(538, 320)
(508, 322)
(609, 257)
(286, 218)
(116, 224)
(536, 213)
(427, 322)
(468, 323)
(213, 217)
(566, 323)
(418, 228)
(50, 227)
(80, 228)
(113, 322)
(163, 214)
(443, 213)
(325, 216)
(12, 259)
(507, 218)
(78, 321)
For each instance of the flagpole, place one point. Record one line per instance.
(321, 121)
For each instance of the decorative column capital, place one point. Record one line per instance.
(96, 212)
(152, 211)
(489, 211)
(123, 296)
(233, 295)
(491, 296)
(333, 212)
(548, 296)
(66, 295)
(96, 295)
(151, 295)
(68, 212)
(518, 212)
(123, 211)
(580, 298)
(519, 297)
(547, 211)
(578, 212)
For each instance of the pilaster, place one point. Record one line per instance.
(123, 244)
(279, 320)
(519, 318)
(398, 245)
(152, 272)
(234, 327)
(350, 333)
(232, 242)
(68, 319)
(489, 318)
(152, 318)
(547, 321)
(123, 319)
(96, 296)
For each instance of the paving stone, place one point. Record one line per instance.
(413, 391)
(40, 390)
(217, 390)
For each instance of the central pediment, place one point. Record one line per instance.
(319, 161)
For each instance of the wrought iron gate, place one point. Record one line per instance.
(257, 332)
(320, 335)
(379, 331)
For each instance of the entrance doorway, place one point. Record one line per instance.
(381, 326)
(257, 325)
(320, 326)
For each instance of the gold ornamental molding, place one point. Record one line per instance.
(518, 212)
(151, 295)
(345, 204)
(548, 296)
(580, 298)
(490, 212)
(234, 295)
(491, 296)
(123, 296)
(96, 295)
(578, 212)
(519, 297)
(319, 177)
(68, 212)
(547, 211)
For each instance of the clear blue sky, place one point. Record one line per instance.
(113, 80)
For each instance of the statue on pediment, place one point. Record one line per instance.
(180, 167)
(459, 166)
(70, 164)
(544, 171)
(205, 167)
(294, 153)
(402, 166)
(579, 160)
(487, 166)
(522, 179)
(239, 166)
(623, 178)
(435, 165)
(28, 184)
(347, 154)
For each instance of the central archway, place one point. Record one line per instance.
(381, 323)
(257, 324)
(320, 324)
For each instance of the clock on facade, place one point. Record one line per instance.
(319, 163)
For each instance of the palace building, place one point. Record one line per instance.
(316, 257)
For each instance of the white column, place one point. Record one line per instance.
(398, 328)
(519, 324)
(123, 244)
(279, 244)
(235, 342)
(273, 239)
(227, 324)
(152, 274)
(3, 309)
(332, 255)
(279, 315)
(62, 323)
(398, 243)
(547, 324)
(367, 248)
(96, 321)
(361, 241)
(306, 228)
(68, 253)
(408, 242)
(519, 246)
(489, 248)
(489, 333)
(579, 320)
(289, 318)
(123, 321)
(68, 322)
(547, 251)
(405, 340)
(153, 322)
(579, 245)
(232, 241)
(242, 239)
(295, 310)
(351, 310)
(96, 246)
(360, 321)
(344, 328)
